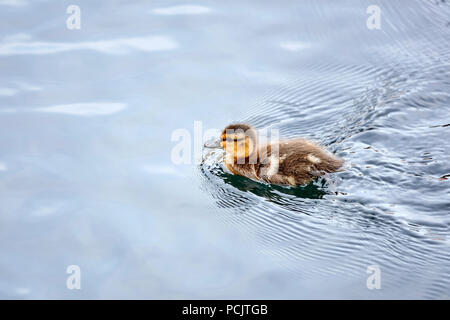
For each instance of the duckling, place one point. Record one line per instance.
(285, 162)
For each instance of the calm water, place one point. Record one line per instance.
(86, 176)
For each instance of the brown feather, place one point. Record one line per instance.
(299, 161)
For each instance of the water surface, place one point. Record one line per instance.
(86, 176)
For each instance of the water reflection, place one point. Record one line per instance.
(274, 193)
(85, 109)
(181, 10)
(114, 46)
(86, 177)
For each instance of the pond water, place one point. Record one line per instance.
(87, 177)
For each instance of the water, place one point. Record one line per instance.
(86, 176)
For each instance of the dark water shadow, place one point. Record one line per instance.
(275, 193)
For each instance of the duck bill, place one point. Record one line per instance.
(216, 144)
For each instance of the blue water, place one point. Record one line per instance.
(87, 177)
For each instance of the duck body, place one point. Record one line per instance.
(285, 162)
(298, 162)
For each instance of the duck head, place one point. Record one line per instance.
(239, 142)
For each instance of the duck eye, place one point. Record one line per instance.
(232, 139)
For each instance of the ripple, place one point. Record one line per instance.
(390, 205)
